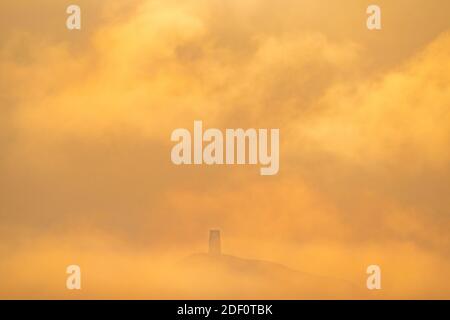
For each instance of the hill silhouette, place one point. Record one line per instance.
(230, 277)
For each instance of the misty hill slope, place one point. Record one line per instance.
(226, 276)
(237, 265)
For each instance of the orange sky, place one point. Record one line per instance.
(86, 117)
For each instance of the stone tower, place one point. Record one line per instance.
(214, 242)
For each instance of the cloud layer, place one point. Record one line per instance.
(85, 136)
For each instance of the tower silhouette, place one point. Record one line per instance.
(214, 242)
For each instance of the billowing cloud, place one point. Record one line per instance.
(85, 137)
